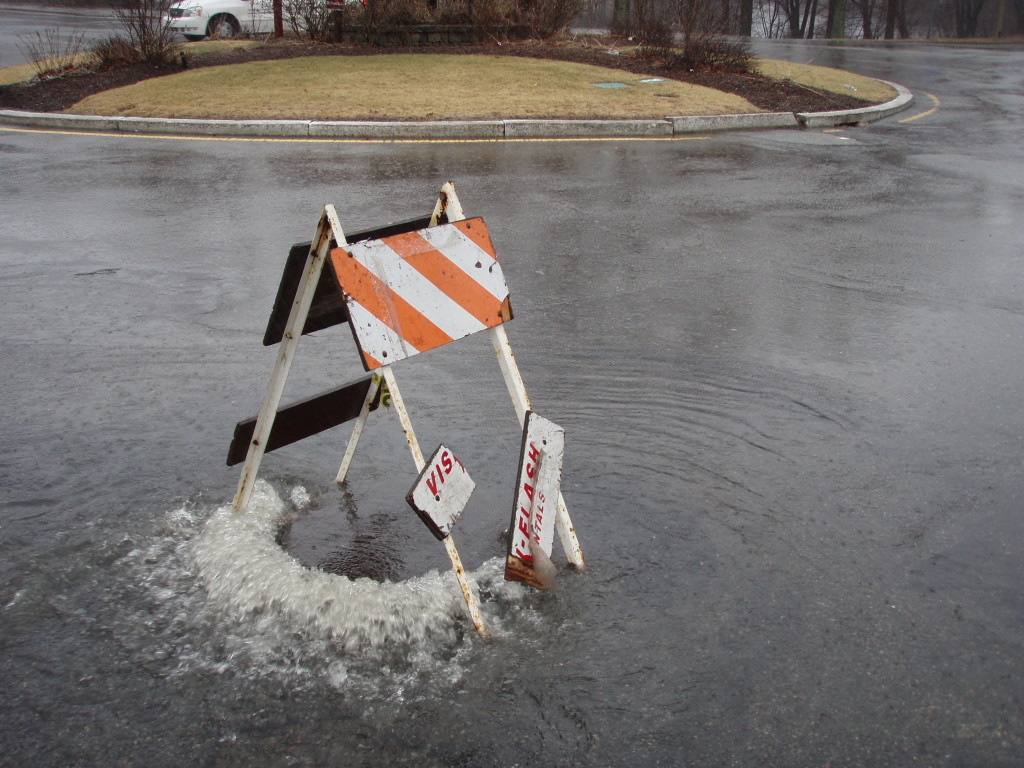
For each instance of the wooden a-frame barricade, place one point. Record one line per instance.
(311, 298)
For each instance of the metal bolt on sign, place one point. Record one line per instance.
(405, 289)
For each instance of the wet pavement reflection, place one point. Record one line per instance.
(788, 365)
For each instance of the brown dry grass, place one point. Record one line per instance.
(17, 73)
(408, 87)
(21, 72)
(828, 79)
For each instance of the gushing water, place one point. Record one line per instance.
(231, 599)
(247, 574)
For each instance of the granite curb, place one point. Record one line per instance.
(456, 130)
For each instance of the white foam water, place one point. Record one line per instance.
(226, 596)
(247, 574)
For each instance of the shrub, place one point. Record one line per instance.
(452, 12)
(50, 54)
(650, 26)
(483, 13)
(549, 17)
(687, 35)
(256, 9)
(307, 18)
(113, 51)
(722, 55)
(544, 17)
(143, 24)
(711, 55)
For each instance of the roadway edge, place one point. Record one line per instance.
(457, 130)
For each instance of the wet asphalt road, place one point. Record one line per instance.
(788, 364)
(21, 25)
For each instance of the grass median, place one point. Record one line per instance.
(827, 79)
(432, 87)
(409, 87)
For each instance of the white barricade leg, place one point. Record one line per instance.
(327, 229)
(521, 402)
(510, 372)
(357, 430)
(467, 591)
(403, 417)
(417, 457)
(447, 204)
(567, 535)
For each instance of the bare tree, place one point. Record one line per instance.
(966, 14)
(698, 20)
(869, 12)
(143, 23)
(801, 16)
(770, 19)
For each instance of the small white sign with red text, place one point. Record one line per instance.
(441, 492)
(531, 532)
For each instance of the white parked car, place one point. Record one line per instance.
(196, 19)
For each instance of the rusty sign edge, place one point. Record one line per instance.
(517, 568)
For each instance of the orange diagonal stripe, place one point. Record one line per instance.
(476, 230)
(370, 362)
(370, 292)
(419, 254)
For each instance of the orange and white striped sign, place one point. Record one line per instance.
(419, 290)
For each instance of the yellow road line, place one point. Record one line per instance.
(285, 140)
(935, 101)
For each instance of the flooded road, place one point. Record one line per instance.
(788, 365)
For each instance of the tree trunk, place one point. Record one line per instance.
(836, 19)
(620, 16)
(810, 12)
(746, 18)
(866, 9)
(793, 18)
(901, 21)
(890, 18)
